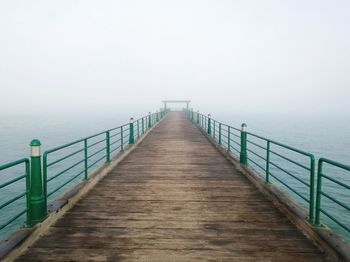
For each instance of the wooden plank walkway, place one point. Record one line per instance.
(174, 198)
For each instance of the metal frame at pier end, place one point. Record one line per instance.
(166, 102)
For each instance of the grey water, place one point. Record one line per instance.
(326, 136)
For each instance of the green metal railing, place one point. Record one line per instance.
(61, 167)
(329, 193)
(85, 154)
(19, 183)
(275, 162)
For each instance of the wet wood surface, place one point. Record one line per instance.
(174, 198)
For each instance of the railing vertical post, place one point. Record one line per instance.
(37, 199)
(219, 133)
(85, 159)
(229, 139)
(318, 193)
(197, 117)
(157, 116)
(267, 178)
(209, 125)
(121, 139)
(312, 191)
(27, 167)
(214, 129)
(131, 131)
(149, 120)
(138, 129)
(143, 125)
(108, 147)
(243, 152)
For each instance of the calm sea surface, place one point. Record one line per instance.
(324, 137)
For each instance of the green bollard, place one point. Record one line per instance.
(121, 139)
(229, 139)
(131, 131)
(85, 159)
(209, 124)
(243, 154)
(267, 169)
(108, 147)
(37, 207)
(149, 120)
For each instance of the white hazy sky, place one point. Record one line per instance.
(285, 57)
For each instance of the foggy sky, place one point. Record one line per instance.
(281, 57)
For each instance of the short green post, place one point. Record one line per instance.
(229, 139)
(243, 154)
(108, 147)
(121, 139)
(37, 212)
(312, 190)
(85, 159)
(149, 120)
(209, 124)
(131, 131)
(197, 117)
(214, 129)
(318, 193)
(219, 133)
(267, 179)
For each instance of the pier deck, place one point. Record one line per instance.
(174, 198)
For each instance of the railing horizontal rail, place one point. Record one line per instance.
(97, 152)
(65, 157)
(19, 186)
(12, 181)
(64, 171)
(96, 143)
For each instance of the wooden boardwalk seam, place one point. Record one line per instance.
(174, 198)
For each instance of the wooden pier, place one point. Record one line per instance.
(175, 197)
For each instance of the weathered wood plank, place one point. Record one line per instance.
(174, 198)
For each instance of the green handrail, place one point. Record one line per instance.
(7, 220)
(328, 194)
